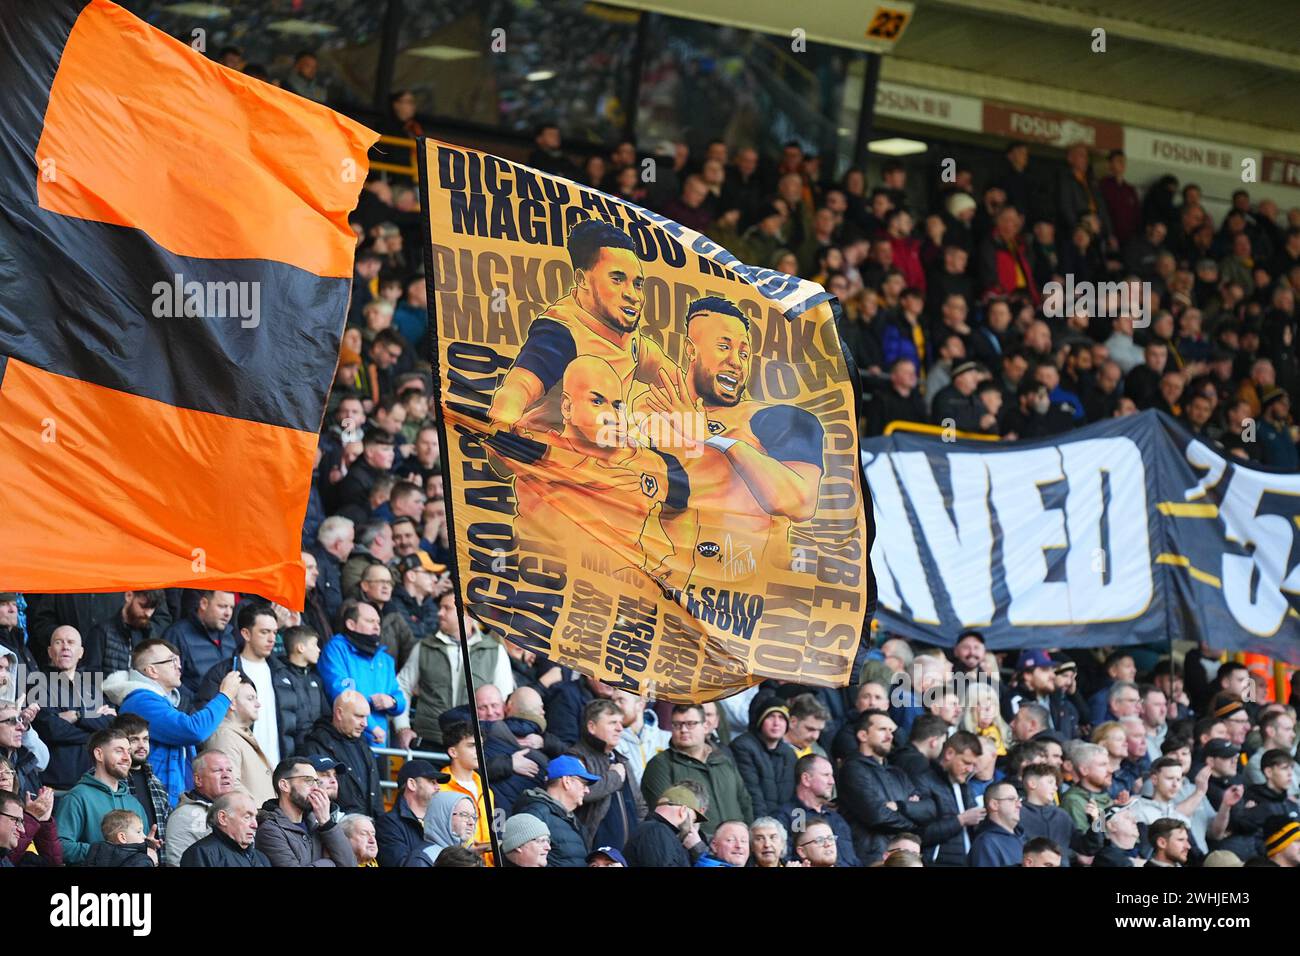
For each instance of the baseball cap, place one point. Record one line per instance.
(1114, 809)
(566, 766)
(421, 769)
(1222, 748)
(681, 797)
(1031, 659)
(608, 851)
(414, 562)
(320, 763)
(963, 367)
(1066, 666)
(970, 633)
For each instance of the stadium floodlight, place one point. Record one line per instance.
(897, 146)
(202, 11)
(438, 51)
(538, 75)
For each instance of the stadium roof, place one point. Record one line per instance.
(1195, 66)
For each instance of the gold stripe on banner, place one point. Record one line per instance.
(1183, 562)
(1187, 509)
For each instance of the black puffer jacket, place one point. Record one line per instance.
(768, 773)
(942, 839)
(567, 845)
(299, 699)
(866, 785)
(118, 854)
(217, 849)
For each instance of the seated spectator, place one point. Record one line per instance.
(188, 823)
(205, 638)
(400, 831)
(690, 758)
(360, 831)
(67, 729)
(295, 828)
(606, 856)
(567, 783)
(1121, 835)
(768, 840)
(151, 690)
(729, 846)
(449, 822)
(613, 806)
(232, 818)
(355, 660)
(1000, 840)
(525, 841)
(144, 784)
(100, 791)
(123, 844)
(341, 737)
(36, 836)
(814, 786)
(234, 738)
(945, 841)
(299, 688)
(11, 827)
(670, 835)
(1041, 852)
(817, 845)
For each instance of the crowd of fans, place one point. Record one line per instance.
(204, 728)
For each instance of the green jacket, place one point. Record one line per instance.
(1076, 798)
(79, 812)
(722, 783)
(437, 691)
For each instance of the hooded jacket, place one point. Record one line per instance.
(186, 825)
(173, 734)
(105, 854)
(1052, 822)
(866, 786)
(722, 783)
(78, 814)
(305, 843)
(616, 795)
(346, 666)
(359, 787)
(768, 772)
(568, 848)
(438, 833)
(217, 849)
(994, 845)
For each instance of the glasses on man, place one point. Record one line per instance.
(310, 778)
(17, 720)
(686, 724)
(830, 840)
(162, 663)
(17, 820)
(463, 815)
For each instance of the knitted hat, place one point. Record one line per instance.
(1281, 832)
(519, 829)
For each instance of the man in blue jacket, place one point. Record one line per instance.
(999, 840)
(356, 660)
(205, 637)
(151, 690)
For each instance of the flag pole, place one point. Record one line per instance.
(445, 464)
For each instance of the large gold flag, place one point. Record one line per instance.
(652, 448)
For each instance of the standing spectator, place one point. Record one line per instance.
(613, 807)
(814, 787)
(257, 634)
(462, 767)
(303, 79)
(110, 642)
(233, 821)
(946, 839)
(400, 831)
(341, 738)
(1260, 802)
(1004, 265)
(100, 791)
(879, 801)
(1078, 194)
(567, 781)
(899, 400)
(355, 660)
(234, 738)
(929, 734)
(690, 758)
(1121, 198)
(67, 729)
(1040, 817)
(1154, 709)
(642, 737)
(670, 835)
(1093, 777)
(295, 827)
(145, 786)
(765, 760)
(334, 544)
(188, 823)
(547, 154)
(299, 688)
(151, 690)
(999, 840)
(525, 841)
(1276, 433)
(205, 638)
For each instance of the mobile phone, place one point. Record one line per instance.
(234, 664)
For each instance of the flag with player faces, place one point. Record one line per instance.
(651, 448)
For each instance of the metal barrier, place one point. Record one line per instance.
(437, 757)
(921, 429)
(412, 170)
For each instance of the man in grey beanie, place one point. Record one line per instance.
(525, 841)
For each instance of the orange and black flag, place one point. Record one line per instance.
(175, 263)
